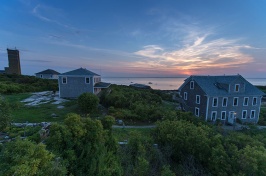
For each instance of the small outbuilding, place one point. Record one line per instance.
(47, 74)
(73, 83)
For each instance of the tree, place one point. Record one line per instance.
(166, 171)
(22, 157)
(108, 122)
(4, 115)
(88, 102)
(85, 146)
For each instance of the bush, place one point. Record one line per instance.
(88, 102)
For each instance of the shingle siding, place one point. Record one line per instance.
(191, 99)
(74, 87)
(47, 76)
(210, 87)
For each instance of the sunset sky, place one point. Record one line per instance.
(137, 37)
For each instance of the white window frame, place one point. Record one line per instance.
(225, 98)
(245, 101)
(254, 98)
(198, 98)
(223, 112)
(197, 110)
(192, 85)
(253, 113)
(214, 112)
(185, 95)
(243, 114)
(237, 86)
(215, 98)
(86, 80)
(41, 76)
(236, 101)
(63, 80)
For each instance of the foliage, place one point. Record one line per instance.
(10, 84)
(262, 119)
(5, 118)
(134, 104)
(198, 149)
(85, 146)
(108, 122)
(262, 88)
(22, 157)
(88, 102)
(166, 171)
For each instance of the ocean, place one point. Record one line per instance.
(164, 83)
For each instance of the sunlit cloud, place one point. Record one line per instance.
(198, 54)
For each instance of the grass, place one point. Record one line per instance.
(41, 113)
(123, 134)
(16, 97)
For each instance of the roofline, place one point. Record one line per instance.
(80, 75)
(187, 81)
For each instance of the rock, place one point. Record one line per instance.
(54, 115)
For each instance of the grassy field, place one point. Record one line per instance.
(41, 113)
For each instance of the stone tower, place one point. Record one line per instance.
(13, 62)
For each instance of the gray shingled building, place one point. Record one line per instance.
(221, 97)
(75, 82)
(47, 74)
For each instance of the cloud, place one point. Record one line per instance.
(198, 51)
(50, 14)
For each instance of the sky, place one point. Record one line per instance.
(129, 38)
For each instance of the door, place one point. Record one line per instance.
(231, 118)
(213, 116)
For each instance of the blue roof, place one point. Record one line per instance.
(102, 85)
(215, 85)
(49, 71)
(81, 71)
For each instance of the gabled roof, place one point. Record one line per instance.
(49, 71)
(102, 85)
(80, 71)
(215, 85)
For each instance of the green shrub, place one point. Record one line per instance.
(88, 102)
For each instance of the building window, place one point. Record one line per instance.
(215, 102)
(64, 80)
(185, 95)
(235, 103)
(244, 114)
(223, 115)
(237, 87)
(51, 76)
(214, 114)
(197, 112)
(254, 102)
(252, 114)
(40, 76)
(198, 99)
(191, 84)
(87, 80)
(245, 103)
(225, 101)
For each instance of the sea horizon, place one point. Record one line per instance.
(165, 83)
